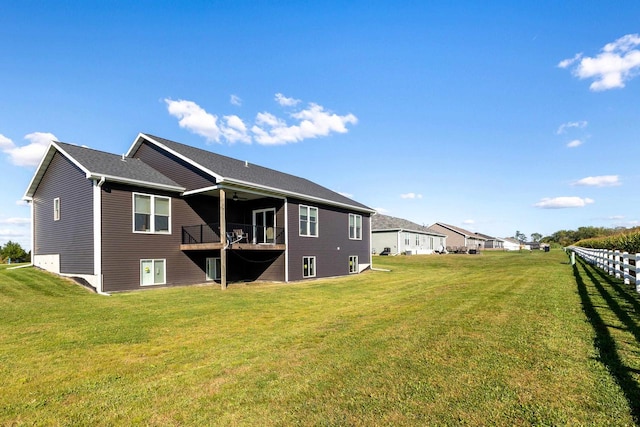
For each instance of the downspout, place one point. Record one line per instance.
(97, 233)
(33, 228)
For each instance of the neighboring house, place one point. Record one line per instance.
(170, 214)
(511, 244)
(404, 237)
(459, 239)
(492, 242)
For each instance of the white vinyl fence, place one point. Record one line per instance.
(622, 265)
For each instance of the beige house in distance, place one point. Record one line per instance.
(459, 239)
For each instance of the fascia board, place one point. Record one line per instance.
(44, 163)
(136, 182)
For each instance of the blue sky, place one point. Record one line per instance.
(492, 117)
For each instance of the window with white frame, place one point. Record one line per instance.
(407, 239)
(56, 209)
(353, 264)
(355, 227)
(308, 221)
(308, 266)
(213, 268)
(151, 214)
(153, 272)
(417, 240)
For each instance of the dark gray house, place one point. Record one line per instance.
(170, 214)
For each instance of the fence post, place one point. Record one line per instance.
(616, 264)
(637, 261)
(610, 262)
(625, 267)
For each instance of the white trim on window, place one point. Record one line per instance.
(212, 263)
(308, 266)
(354, 266)
(153, 272)
(308, 227)
(151, 214)
(56, 209)
(355, 227)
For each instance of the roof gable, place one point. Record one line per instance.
(466, 233)
(229, 171)
(99, 164)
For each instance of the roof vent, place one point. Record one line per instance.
(123, 158)
(246, 164)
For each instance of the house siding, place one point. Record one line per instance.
(395, 240)
(332, 247)
(72, 235)
(173, 167)
(123, 249)
(453, 238)
(385, 239)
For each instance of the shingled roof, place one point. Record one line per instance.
(459, 230)
(381, 222)
(227, 170)
(98, 164)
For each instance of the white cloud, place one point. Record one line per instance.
(574, 143)
(563, 127)
(195, 119)
(411, 196)
(268, 129)
(563, 202)
(15, 221)
(314, 121)
(382, 211)
(22, 202)
(616, 217)
(286, 102)
(30, 154)
(617, 63)
(5, 143)
(235, 130)
(236, 100)
(567, 62)
(469, 222)
(599, 181)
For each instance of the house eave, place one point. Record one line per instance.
(285, 193)
(136, 183)
(44, 163)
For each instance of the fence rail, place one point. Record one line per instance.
(622, 265)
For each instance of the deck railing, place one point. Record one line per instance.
(236, 233)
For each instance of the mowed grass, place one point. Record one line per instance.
(491, 339)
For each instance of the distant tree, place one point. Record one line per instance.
(14, 251)
(520, 237)
(535, 237)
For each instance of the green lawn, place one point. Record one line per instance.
(493, 339)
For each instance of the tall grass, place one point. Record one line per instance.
(497, 339)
